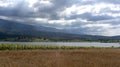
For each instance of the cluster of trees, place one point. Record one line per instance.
(42, 39)
(55, 38)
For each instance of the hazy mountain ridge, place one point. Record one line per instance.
(9, 29)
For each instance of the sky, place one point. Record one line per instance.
(94, 17)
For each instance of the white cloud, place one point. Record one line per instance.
(5, 18)
(98, 25)
(108, 14)
(32, 2)
(104, 29)
(5, 4)
(95, 9)
(112, 31)
(42, 3)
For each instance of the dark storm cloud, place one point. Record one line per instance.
(22, 9)
(51, 11)
(79, 16)
(90, 17)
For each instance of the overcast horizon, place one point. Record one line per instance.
(93, 17)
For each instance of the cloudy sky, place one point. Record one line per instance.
(96, 17)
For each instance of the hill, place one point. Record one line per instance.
(17, 31)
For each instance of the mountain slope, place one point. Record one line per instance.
(14, 28)
(10, 29)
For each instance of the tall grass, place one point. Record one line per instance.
(43, 47)
(33, 47)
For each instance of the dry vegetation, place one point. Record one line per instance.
(60, 58)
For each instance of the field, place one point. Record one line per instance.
(60, 58)
(43, 47)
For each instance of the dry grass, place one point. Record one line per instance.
(60, 58)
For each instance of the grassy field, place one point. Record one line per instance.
(41, 47)
(60, 58)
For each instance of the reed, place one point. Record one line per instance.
(33, 47)
(44, 47)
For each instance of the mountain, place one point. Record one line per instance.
(11, 29)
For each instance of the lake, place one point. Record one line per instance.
(81, 44)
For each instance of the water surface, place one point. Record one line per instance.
(82, 44)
